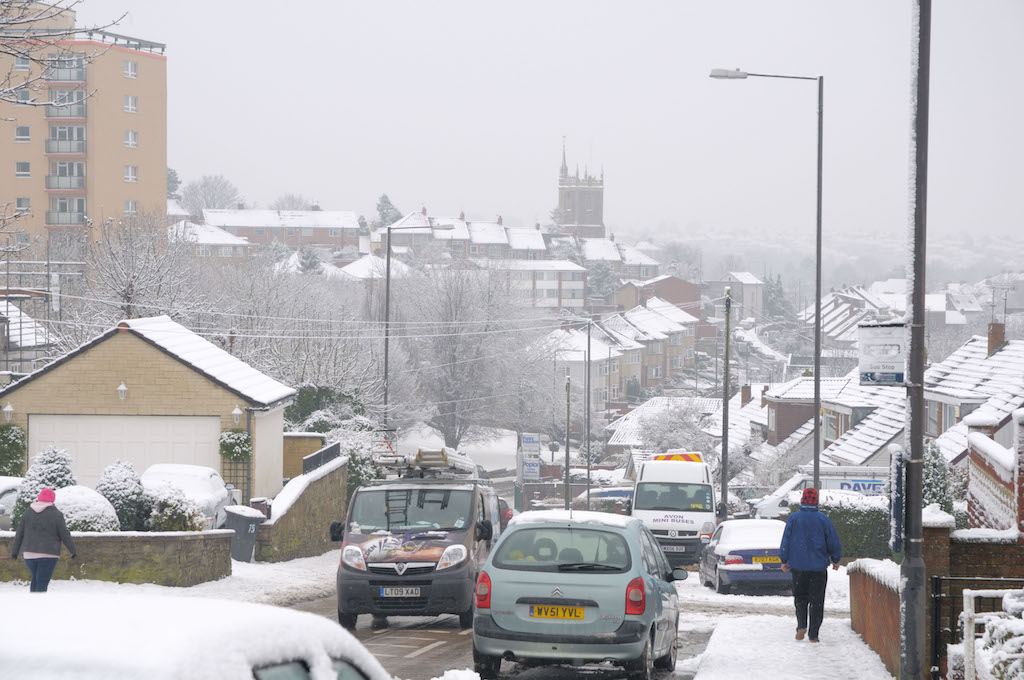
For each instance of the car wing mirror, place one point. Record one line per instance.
(484, 530)
(680, 574)
(337, 531)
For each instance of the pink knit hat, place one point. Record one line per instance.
(47, 496)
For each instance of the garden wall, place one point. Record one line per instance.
(302, 513)
(164, 558)
(875, 610)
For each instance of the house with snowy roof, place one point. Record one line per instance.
(209, 241)
(335, 229)
(747, 294)
(152, 391)
(683, 294)
(627, 433)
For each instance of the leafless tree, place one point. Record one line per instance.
(211, 191)
(292, 202)
(679, 427)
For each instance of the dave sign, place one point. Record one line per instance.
(883, 355)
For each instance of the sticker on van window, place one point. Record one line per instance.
(459, 523)
(696, 506)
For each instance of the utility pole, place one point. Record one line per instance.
(912, 595)
(724, 514)
(387, 325)
(568, 381)
(586, 415)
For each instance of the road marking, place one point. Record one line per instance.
(435, 631)
(421, 650)
(466, 632)
(390, 644)
(410, 637)
(379, 655)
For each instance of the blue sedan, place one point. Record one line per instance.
(744, 551)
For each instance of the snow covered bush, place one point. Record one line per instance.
(12, 450)
(120, 485)
(235, 445)
(1002, 648)
(51, 469)
(86, 510)
(173, 510)
(937, 488)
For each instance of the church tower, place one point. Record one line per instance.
(580, 201)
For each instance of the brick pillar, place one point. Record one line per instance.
(986, 424)
(935, 551)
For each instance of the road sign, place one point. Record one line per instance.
(883, 356)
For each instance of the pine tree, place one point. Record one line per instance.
(309, 261)
(601, 280)
(51, 469)
(386, 212)
(364, 228)
(937, 488)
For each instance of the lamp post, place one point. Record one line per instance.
(387, 300)
(726, 74)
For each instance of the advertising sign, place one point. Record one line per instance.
(531, 470)
(883, 355)
(531, 444)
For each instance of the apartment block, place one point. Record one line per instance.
(89, 142)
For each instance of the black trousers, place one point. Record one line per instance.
(809, 595)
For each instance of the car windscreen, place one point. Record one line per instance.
(411, 510)
(563, 549)
(673, 496)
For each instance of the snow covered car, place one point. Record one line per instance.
(201, 484)
(8, 494)
(165, 637)
(744, 551)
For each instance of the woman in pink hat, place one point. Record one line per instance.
(40, 533)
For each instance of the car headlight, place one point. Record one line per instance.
(352, 556)
(452, 555)
(707, 529)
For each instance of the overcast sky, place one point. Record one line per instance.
(463, 105)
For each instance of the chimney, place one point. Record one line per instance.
(537, 226)
(996, 337)
(424, 210)
(764, 396)
(499, 219)
(612, 237)
(462, 215)
(744, 395)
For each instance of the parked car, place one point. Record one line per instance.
(617, 499)
(744, 551)
(8, 494)
(202, 484)
(576, 588)
(504, 512)
(197, 638)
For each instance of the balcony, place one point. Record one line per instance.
(63, 182)
(65, 219)
(66, 111)
(65, 146)
(65, 75)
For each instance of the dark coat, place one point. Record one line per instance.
(42, 532)
(810, 541)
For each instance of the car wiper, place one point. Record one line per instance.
(587, 566)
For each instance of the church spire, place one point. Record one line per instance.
(564, 172)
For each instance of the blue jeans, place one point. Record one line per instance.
(41, 569)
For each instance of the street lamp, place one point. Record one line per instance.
(387, 300)
(737, 74)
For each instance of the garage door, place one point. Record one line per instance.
(94, 442)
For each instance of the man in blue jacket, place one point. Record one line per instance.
(809, 543)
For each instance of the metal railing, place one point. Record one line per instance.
(65, 182)
(65, 146)
(66, 110)
(947, 606)
(65, 75)
(321, 457)
(65, 219)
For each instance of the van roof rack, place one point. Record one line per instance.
(440, 463)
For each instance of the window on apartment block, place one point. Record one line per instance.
(131, 139)
(567, 370)
(22, 205)
(24, 96)
(65, 204)
(131, 103)
(131, 69)
(23, 133)
(131, 173)
(131, 208)
(22, 169)
(603, 369)
(68, 169)
(65, 133)
(22, 63)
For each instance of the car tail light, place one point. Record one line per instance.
(636, 597)
(483, 591)
(733, 559)
(507, 514)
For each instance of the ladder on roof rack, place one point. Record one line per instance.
(396, 507)
(384, 454)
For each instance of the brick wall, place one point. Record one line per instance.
(986, 492)
(788, 417)
(298, 445)
(303, 530)
(875, 614)
(165, 558)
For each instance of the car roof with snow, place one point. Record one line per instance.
(163, 637)
(573, 518)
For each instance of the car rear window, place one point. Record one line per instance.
(563, 549)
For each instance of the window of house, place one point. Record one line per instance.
(131, 69)
(22, 63)
(307, 231)
(131, 103)
(654, 347)
(22, 205)
(771, 418)
(932, 407)
(258, 231)
(204, 251)
(22, 133)
(633, 358)
(334, 233)
(24, 96)
(948, 416)
(689, 353)
(831, 427)
(131, 208)
(22, 169)
(567, 371)
(226, 251)
(131, 173)
(239, 251)
(615, 391)
(676, 339)
(474, 249)
(602, 369)
(655, 371)
(615, 365)
(677, 361)
(131, 139)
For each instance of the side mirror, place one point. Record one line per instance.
(484, 530)
(680, 574)
(705, 539)
(337, 531)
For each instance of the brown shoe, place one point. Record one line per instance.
(800, 634)
(812, 639)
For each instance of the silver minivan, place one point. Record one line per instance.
(571, 587)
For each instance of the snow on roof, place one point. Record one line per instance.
(631, 256)
(766, 453)
(955, 318)
(652, 322)
(207, 358)
(740, 418)
(622, 342)
(199, 638)
(487, 233)
(308, 219)
(203, 234)
(802, 388)
(532, 265)
(667, 309)
(746, 278)
(174, 209)
(22, 330)
(373, 267)
(600, 249)
(526, 239)
(759, 345)
(571, 345)
(293, 265)
(573, 518)
(413, 223)
(858, 444)
(459, 231)
(629, 429)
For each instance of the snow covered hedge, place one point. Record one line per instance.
(173, 510)
(12, 450)
(86, 510)
(1002, 648)
(862, 522)
(235, 445)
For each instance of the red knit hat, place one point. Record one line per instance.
(810, 497)
(47, 496)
